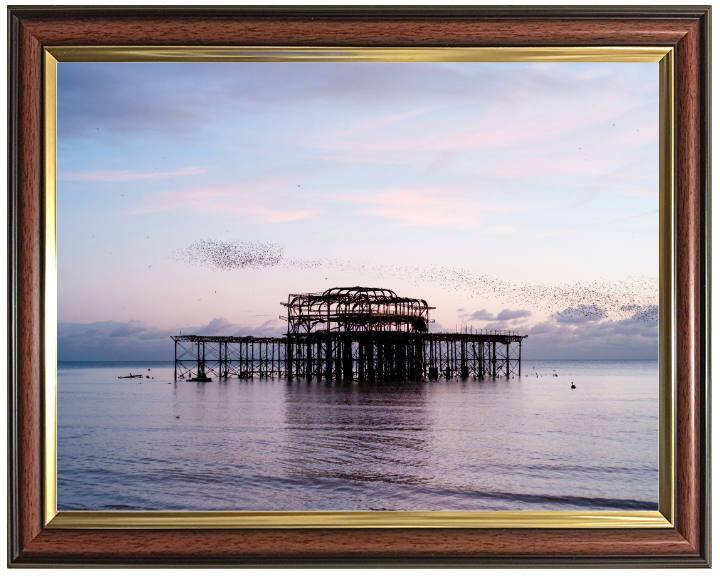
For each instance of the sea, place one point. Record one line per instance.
(524, 443)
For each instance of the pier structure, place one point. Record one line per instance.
(357, 333)
(355, 309)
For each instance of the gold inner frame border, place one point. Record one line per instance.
(664, 517)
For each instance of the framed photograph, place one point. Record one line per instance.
(371, 286)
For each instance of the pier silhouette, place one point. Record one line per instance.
(357, 333)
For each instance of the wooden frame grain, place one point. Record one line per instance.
(685, 29)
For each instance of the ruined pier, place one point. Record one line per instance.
(365, 334)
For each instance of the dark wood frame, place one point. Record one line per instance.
(687, 29)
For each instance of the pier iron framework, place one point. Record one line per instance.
(357, 333)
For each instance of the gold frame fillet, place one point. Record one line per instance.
(664, 517)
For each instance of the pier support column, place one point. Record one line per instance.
(464, 372)
(370, 370)
(494, 359)
(361, 361)
(328, 360)
(308, 361)
(520, 359)
(507, 359)
(197, 356)
(347, 360)
(482, 360)
(289, 359)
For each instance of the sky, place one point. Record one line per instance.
(509, 196)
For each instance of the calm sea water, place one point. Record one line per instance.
(527, 443)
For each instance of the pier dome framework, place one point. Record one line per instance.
(355, 309)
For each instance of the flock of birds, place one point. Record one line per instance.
(635, 298)
(221, 255)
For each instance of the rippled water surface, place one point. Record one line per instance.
(527, 443)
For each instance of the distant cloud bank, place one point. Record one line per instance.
(559, 339)
(587, 338)
(136, 340)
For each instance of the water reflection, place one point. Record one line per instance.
(357, 432)
(264, 444)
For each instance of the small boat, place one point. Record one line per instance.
(201, 377)
(131, 376)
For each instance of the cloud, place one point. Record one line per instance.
(605, 223)
(496, 325)
(216, 327)
(551, 339)
(508, 314)
(100, 100)
(261, 198)
(481, 315)
(501, 318)
(157, 334)
(136, 340)
(270, 328)
(606, 159)
(248, 204)
(425, 206)
(522, 114)
(542, 328)
(581, 314)
(223, 327)
(128, 329)
(74, 335)
(127, 175)
(583, 332)
(597, 340)
(643, 313)
(97, 100)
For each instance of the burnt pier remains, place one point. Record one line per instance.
(357, 333)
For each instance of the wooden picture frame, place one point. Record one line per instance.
(686, 30)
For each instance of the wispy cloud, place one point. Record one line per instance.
(127, 175)
(264, 199)
(512, 121)
(426, 206)
(605, 223)
(223, 200)
(612, 161)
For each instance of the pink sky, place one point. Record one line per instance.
(527, 174)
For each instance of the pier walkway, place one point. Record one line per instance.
(352, 356)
